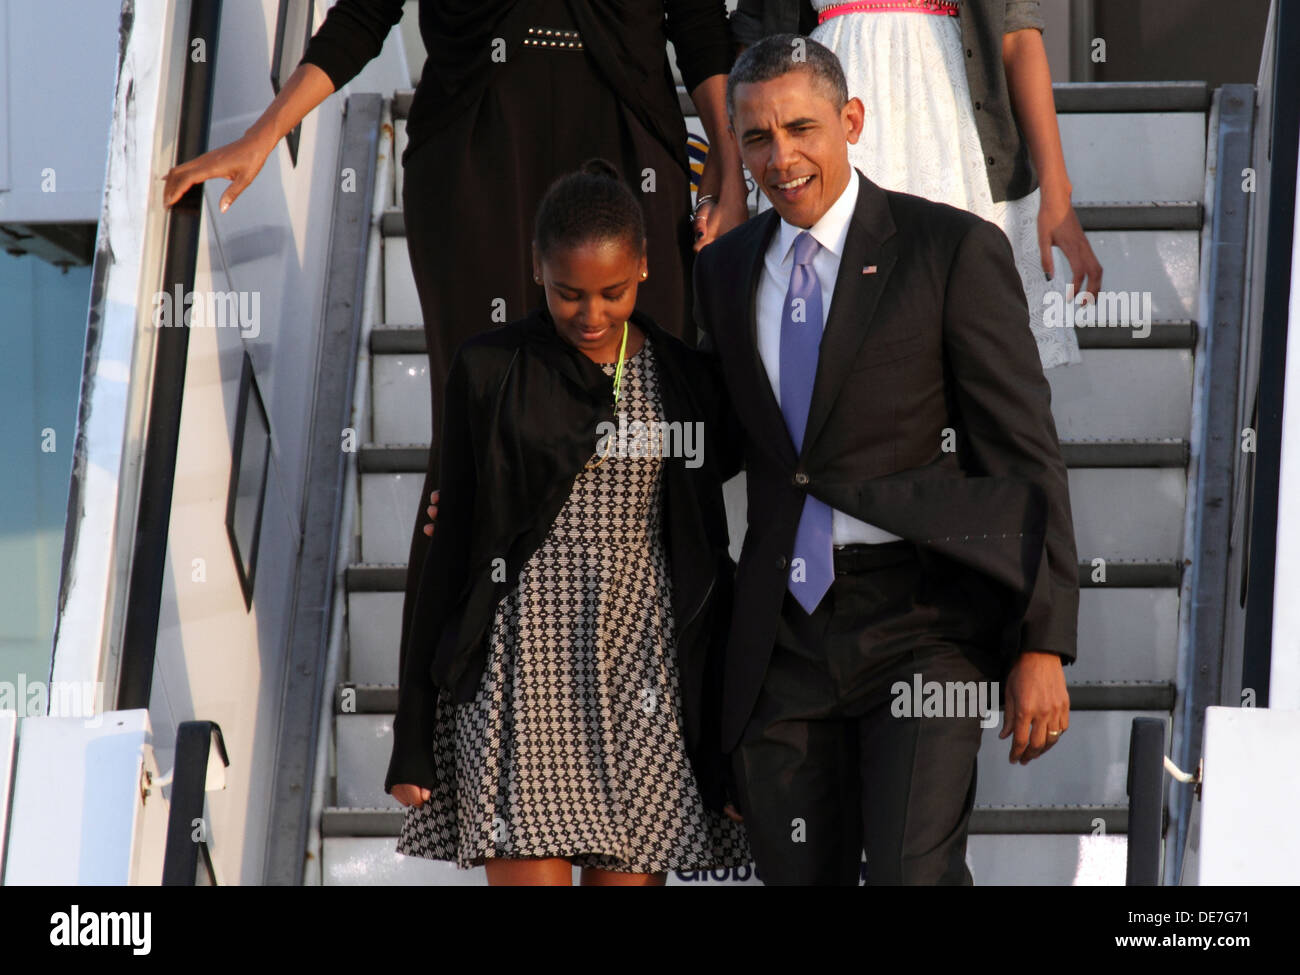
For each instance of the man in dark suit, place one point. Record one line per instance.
(909, 517)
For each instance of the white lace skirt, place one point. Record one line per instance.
(920, 137)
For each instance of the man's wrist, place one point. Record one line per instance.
(1041, 653)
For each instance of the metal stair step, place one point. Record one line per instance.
(394, 339)
(1120, 574)
(376, 576)
(1140, 96)
(1003, 820)
(985, 820)
(1150, 275)
(1116, 394)
(354, 698)
(1120, 514)
(1132, 96)
(1134, 157)
(414, 458)
(1174, 334)
(393, 222)
(1122, 509)
(1180, 215)
(1123, 696)
(1125, 453)
(391, 458)
(388, 503)
(1137, 96)
(1132, 632)
(405, 339)
(1134, 574)
(355, 821)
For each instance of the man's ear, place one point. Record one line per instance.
(853, 115)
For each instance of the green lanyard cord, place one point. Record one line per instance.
(618, 371)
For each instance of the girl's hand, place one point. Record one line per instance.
(410, 795)
(1059, 225)
(239, 161)
(732, 813)
(1029, 83)
(432, 512)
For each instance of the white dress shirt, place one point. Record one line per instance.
(830, 232)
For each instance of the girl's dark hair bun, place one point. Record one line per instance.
(591, 203)
(597, 166)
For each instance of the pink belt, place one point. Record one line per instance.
(877, 6)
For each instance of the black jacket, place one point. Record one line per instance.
(930, 417)
(520, 420)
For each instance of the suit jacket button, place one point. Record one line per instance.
(800, 478)
(780, 561)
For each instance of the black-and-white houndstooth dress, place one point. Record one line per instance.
(573, 745)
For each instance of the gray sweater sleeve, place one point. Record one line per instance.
(1022, 14)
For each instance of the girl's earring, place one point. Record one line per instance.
(643, 274)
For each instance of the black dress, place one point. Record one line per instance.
(488, 136)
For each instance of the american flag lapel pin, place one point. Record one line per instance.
(869, 269)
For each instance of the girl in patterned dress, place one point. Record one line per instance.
(584, 731)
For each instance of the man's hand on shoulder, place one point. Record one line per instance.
(1037, 705)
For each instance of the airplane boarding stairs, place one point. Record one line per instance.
(1125, 417)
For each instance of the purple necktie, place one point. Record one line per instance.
(811, 568)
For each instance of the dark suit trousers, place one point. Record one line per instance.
(824, 769)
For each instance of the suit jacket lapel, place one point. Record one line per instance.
(870, 242)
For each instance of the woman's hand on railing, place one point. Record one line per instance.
(239, 161)
(410, 795)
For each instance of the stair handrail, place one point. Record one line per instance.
(162, 436)
(187, 861)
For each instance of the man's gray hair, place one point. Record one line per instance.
(779, 54)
